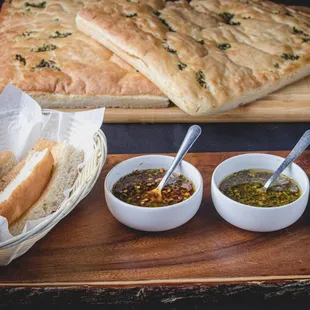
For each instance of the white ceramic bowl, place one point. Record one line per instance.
(255, 218)
(153, 219)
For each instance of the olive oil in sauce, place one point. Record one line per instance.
(135, 188)
(244, 187)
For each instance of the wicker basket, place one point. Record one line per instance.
(84, 183)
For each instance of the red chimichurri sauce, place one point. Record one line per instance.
(135, 188)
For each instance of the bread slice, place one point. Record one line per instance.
(67, 158)
(27, 186)
(43, 54)
(7, 162)
(206, 56)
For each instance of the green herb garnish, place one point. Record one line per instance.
(163, 21)
(182, 65)
(157, 13)
(40, 5)
(298, 31)
(276, 65)
(49, 64)
(21, 59)
(290, 56)
(245, 187)
(131, 15)
(246, 17)
(44, 48)
(202, 42)
(26, 34)
(201, 78)
(170, 50)
(58, 34)
(224, 46)
(305, 40)
(227, 17)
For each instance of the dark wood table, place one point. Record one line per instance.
(25, 281)
(89, 257)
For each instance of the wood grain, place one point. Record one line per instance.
(89, 257)
(290, 104)
(90, 246)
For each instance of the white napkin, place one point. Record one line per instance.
(22, 124)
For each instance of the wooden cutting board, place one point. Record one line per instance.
(290, 104)
(91, 257)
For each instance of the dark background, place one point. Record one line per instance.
(159, 138)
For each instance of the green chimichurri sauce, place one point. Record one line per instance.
(244, 187)
(135, 188)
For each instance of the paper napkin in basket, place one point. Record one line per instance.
(22, 124)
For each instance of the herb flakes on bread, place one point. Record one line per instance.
(206, 56)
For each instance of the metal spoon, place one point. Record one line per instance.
(191, 136)
(301, 145)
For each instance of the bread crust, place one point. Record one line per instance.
(7, 162)
(206, 56)
(65, 171)
(29, 191)
(43, 53)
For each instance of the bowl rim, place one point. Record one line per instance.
(148, 209)
(236, 203)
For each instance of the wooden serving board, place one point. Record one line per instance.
(290, 104)
(91, 257)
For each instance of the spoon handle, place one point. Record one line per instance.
(301, 145)
(192, 134)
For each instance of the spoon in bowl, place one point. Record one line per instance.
(301, 145)
(191, 136)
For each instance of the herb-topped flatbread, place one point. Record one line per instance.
(43, 53)
(207, 56)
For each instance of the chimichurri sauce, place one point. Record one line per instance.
(134, 188)
(244, 187)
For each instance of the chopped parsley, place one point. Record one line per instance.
(276, 65)
(49, 64)
(170, 50)
(45, 48)
(163, 21)
(40, 5)
(290, 56)
(201, 78)
(298, 31)
(305, 40)
(202, 42)
(246, 17)
(224, 46)
(131, 15)
(21, 59)
(157, 13)
(227, 18)
(58, 34)
(26, 34)
(182, 65)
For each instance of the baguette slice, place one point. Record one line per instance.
(7, 162)
(27, 186)
(67, 158)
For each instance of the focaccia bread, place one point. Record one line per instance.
(207, 56)
(43, 53)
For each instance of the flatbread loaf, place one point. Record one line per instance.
(43, 53)
(207, 56)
